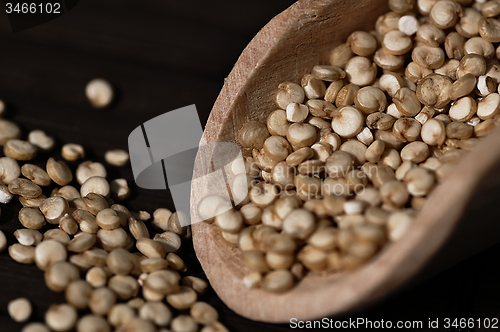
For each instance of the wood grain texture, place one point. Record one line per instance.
(160, 56)
(285, 49)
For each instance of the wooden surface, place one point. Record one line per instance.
(438, 238)
(289, 46)
(161, 56)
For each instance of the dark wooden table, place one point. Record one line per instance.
(162, 55)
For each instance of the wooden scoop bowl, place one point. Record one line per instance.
(285, 49)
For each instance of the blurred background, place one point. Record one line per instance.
(162, 55)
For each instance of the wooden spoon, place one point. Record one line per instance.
(285, 49)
